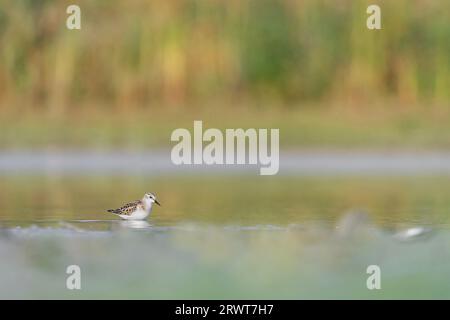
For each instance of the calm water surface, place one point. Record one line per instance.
(219, 236)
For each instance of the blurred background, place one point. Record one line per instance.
(137, 69)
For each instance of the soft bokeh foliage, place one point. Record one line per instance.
(135, 54)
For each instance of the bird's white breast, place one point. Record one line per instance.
(136, 215)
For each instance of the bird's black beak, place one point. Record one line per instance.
(156, 201)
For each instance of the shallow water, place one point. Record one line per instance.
(158, 162)
(121, 260)
(226, 237)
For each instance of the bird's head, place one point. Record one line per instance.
(150, 197)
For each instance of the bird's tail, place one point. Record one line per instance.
(115, 211)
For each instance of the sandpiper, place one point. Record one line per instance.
(137, 210)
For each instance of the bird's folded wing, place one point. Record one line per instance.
(129, 208)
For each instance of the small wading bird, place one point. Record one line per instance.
(137, 210)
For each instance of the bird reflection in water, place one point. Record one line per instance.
(134, 224)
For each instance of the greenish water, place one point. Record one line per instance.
(226, 237)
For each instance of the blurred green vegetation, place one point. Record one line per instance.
(151, 61)
(147, 54)
(377, 128)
